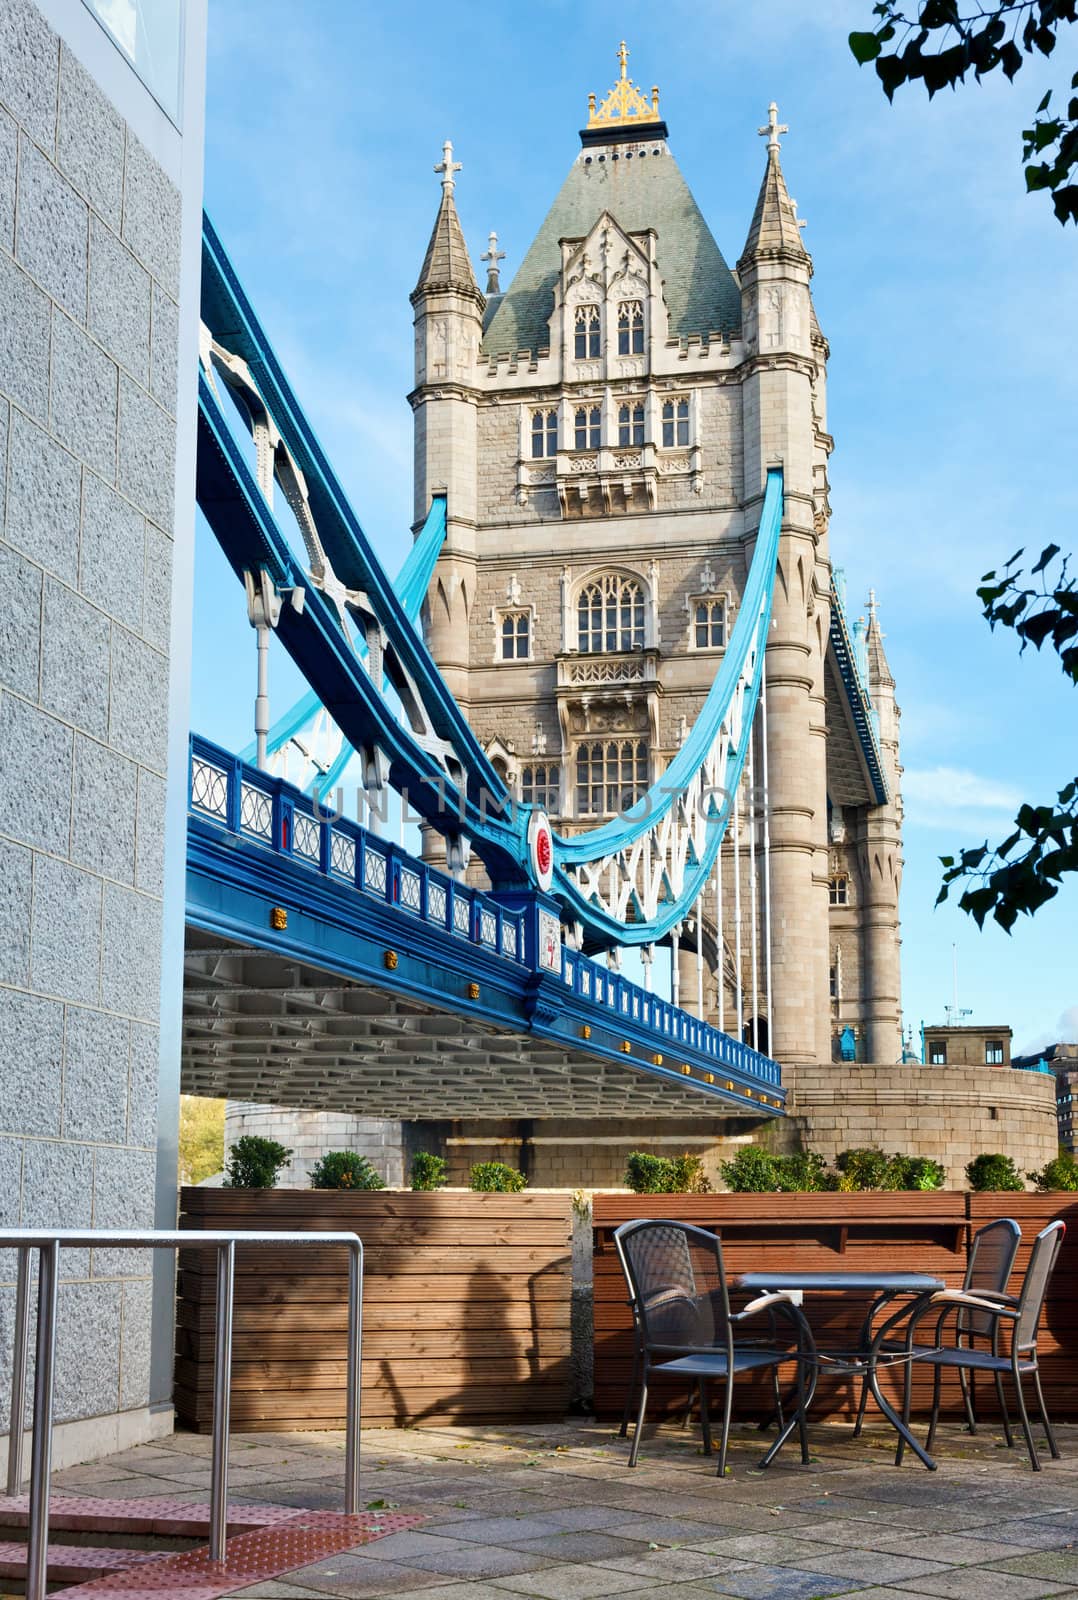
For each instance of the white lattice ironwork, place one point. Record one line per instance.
(209, 788)
(256, 812)
(374, 871)
(509, 938)
(409, 889)
(436, 903)
(342, 854)
(488, 928)
(306, 837)
(462, 915)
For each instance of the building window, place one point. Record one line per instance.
(709, 624)
(937, 1053)
(630, 328)
(610, 615)
(541, 786)
(675, 423)
(586, 346)
(544, 434)
(993, 1052)
(516, 635)
(610, 775)
(838, 890)
(588, 429)
(631, 423)
(834, 982)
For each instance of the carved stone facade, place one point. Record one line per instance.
(602, 431)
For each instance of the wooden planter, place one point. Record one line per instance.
(906, 1232)
(465, 1317)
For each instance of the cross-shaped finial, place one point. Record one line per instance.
(802, 222)
(623, 57)
(872, 605)
(492, 255)
(447, 166)
(774, 128)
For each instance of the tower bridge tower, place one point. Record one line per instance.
(603, 429)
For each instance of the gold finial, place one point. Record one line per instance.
(625, 103)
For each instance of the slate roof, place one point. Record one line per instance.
(639, 192)
(774, 225)
(447, 264)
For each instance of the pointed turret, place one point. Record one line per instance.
(775, 228)
(447, 264)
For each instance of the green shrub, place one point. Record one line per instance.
(687, 1176)
(919, 1172)
(752, 1171)
(647, 1174)
(864, 1169)
(989, 1171)
(1061, 1173)
(253, 1163)
(344, 1169)
(494, 1177)
(428, 1172)
(802, 1173)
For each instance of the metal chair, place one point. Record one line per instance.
(681, 1309)
(988, 1270)
(985, 1313)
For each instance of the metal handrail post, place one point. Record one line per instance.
(17, 1423)
(222, 1385)
(41, 1452)
(355, 1378)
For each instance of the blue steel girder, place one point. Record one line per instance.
(360, 907)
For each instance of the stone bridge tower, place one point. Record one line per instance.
(603, 429)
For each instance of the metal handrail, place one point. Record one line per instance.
(48, 1242)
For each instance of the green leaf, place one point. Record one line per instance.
(865, 46)
(1048, 554)
(1044, 103)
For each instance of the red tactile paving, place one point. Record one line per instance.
(72, 1563)
(304, 1537)
(160, 1514)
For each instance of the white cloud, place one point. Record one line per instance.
(956, 797)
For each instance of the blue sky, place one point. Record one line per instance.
(948, 296)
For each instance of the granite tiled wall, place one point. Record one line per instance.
(89, 281)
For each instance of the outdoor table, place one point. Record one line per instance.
(883, 1286)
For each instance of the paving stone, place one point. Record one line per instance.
(51, 231)
(43, 497)
(961, 1550)
(577, 1583)
(785, 1583)
(84, 397)
(119, 301)
(29, 66)
(982, 1583)
(1061, 1564)
(671, 1565)
(112, 552)
(577, 1544)
(884, 1568)
(90, 139)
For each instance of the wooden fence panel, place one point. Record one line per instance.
(466, 1313)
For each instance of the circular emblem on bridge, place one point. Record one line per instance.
(541, 849)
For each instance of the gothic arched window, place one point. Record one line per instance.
(611, 774)
(540, 786)
(631, 423)
(544, 434)
(675, 423)
(610, 614)
(588, 427)
(587, 346)
(709, 624)
(630, 328)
